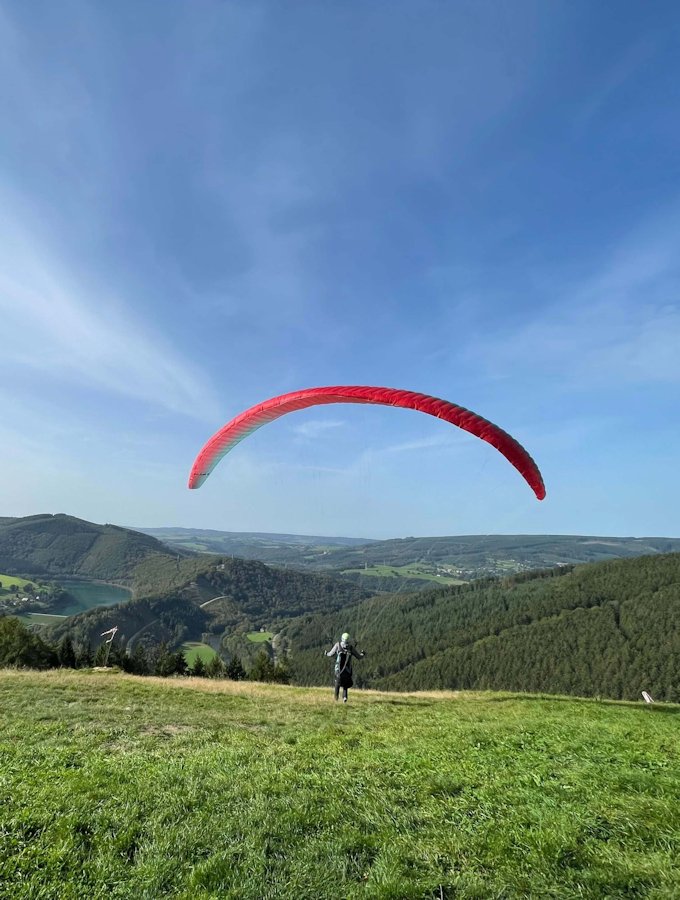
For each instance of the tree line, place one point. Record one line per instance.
(22, 648)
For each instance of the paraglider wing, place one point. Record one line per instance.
(246, 422)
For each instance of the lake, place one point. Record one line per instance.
(84, 595)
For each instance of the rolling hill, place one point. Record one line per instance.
(409, 563)
(169, 586)
(609, 628)
(64, 545)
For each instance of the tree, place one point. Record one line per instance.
(181, 666)
(20, 647)
(66, 654)
(84, 656)
(165, 661)
(101, 656)
(282, 672)
(139, 664)
(235, 669)
(215, 668)
(117, 653)
(263, 668)
(198, 668)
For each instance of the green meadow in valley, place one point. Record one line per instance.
(6, 582)
(194, 650)
(259, 637)
(113, 786)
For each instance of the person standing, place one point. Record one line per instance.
(343, 651)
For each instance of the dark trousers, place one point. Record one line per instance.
(344, 681)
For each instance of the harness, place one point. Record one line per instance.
(343, 660)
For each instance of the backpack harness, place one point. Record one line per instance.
(343, 659)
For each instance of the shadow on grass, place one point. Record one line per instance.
(410, 702)
(661, 707)
(397, 700)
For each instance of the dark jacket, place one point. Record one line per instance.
(343, 654)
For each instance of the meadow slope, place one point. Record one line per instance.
(119, 787)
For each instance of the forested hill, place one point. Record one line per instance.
(607, 629)
(169, 587)
(183, 600)
(64, 545)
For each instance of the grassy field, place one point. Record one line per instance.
(415, 570)
(41, 618)
(7, 580)
(116, 787)
(259, 637)
(193, 650)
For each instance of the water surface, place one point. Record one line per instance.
(84, 595)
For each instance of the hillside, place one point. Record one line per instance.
(63, 545)
(265, 545)
(606, 629)
(182, 600)
(168, 587)
(408, 563)
(116, 786)
(603, 629)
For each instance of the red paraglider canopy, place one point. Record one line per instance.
(247, 422)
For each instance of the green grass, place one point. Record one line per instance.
(116, 787)
(193, 650)
(259, 637)
(7, 580)
(414, 570)
(40, 619)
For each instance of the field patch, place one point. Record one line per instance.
(6, 581)
(194, 650)
(259, 637)
(41, 619)
(417, 571)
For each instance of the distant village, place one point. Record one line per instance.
(24, 596)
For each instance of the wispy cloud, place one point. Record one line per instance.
(613, 80)
(620, 326)
(431, 443)
(267, 196)
(370, 457)
(55, 326)
(316, 428)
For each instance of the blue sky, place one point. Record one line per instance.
(205, 204)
